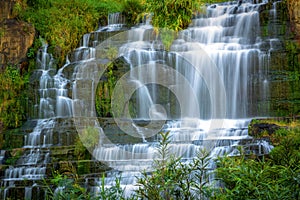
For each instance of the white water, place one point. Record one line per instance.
(221, 54)
(53, 103)
(226, 39)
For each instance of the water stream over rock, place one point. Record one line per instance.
(204, 90)
(214, 69)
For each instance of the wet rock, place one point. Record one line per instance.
(259, 130)
(66, 168)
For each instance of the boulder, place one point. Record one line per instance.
(15, 36)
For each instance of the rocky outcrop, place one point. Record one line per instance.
(294, 12)
(6, 9)
(15, 36)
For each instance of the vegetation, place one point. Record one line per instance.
(62, 23)
(174, 179)
(173, 15)
(243, 177)
(12, 95)
(87, 141)
(61, 188)
(169, 16)
(276, 177)
(133, 10)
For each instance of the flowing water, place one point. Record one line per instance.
(220, 77)
(204, 91)
(53, 104)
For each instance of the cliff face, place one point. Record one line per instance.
(294, 12)
(15, 36)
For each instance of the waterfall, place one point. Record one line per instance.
(208, 87)
(204, 90)
(53, 103)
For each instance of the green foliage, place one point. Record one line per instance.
(167, 37)
(80, 151)
(31, 53)
(133, 10)
(12, 97)
(111, 193)
(105, 89)
(275, 178)
(86, 142)
(169, 17)
(171, 178)
(66, 188)
(18, 8)
(39, 3)
(13, 159)
(61, 187)
(62, 23)
(287, 154)
(241, 177)
(174, 15)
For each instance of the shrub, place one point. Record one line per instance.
(171, 178)
(274, 178)
(12, 97)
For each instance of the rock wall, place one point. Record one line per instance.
(15, 36)
(294, 12)
(6, 9)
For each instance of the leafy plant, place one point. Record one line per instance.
(62, 23)
(62, 188)
(111, 192)
(274, 178)
(174, 15)
(12, 96)
(86, 142)
(133, 10)
(105, 89)
(287, 152)
(171, 178)
(170, 15)
(31, 53)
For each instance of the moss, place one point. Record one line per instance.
(15, 154)
(274, 129)
(62, 23)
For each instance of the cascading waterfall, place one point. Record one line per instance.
(226, 37)
(53, 103)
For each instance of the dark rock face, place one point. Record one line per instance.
(6, 9)
(260, 129)
(15, 36)
(294, 12)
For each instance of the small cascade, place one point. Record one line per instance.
(116, 22)
(53, 104)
